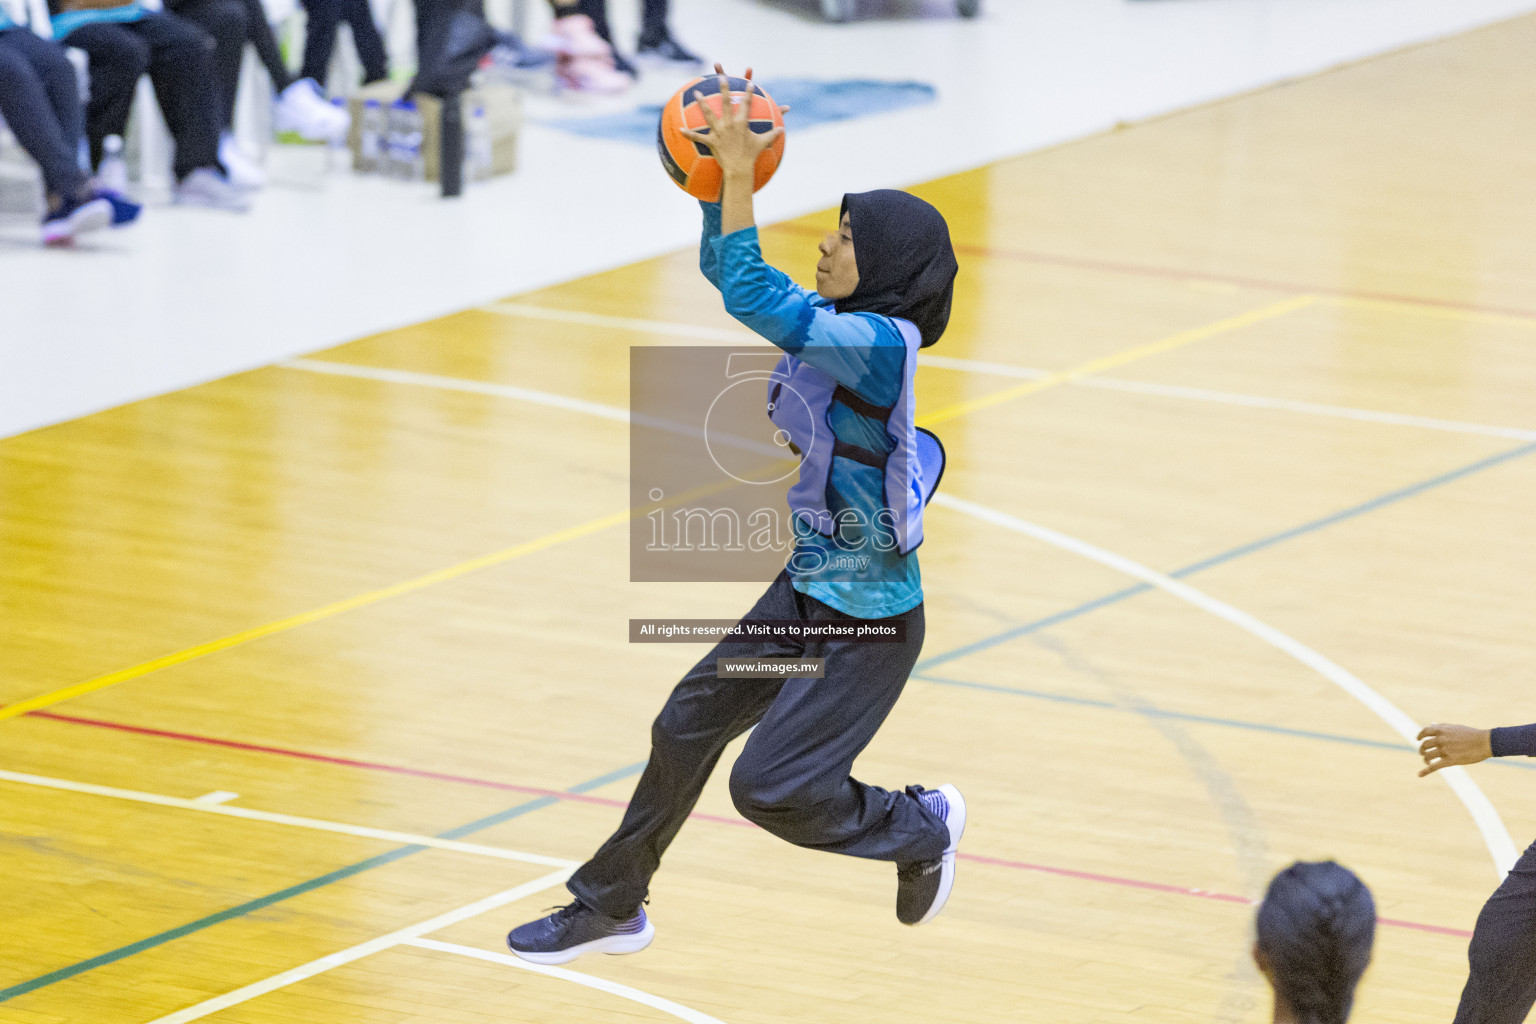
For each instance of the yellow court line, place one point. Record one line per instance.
(574, 532)
(1115, 359)
(181, 657)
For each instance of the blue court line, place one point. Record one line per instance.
(1230, 723)
(301, 888)
(1389, 498)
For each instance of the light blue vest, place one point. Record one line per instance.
(800, 398)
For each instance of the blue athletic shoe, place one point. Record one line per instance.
(576, 929)
(923, 886)
(74, 216)
(124, 210)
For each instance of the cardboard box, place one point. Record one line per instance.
(503, 109)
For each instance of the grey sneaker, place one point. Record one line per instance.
(923, 886)
(207, 187)
(576, 929)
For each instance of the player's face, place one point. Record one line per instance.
(837, 273)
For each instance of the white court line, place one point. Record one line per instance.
(432, 380)
(1497, 838)
(362, 949)
(547, 398)
(218, 796)
(1233, 398)
(736, 336)
(388, 835)
(601, 984)
(743, 337)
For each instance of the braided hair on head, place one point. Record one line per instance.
(1316, 927)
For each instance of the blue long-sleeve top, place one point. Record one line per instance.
(865, 353)
(1514, 740)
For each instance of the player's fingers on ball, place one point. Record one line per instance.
(719, 68)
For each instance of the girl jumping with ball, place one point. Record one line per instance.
(883, 288)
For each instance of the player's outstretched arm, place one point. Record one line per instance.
(735, 147)
(1442, 745)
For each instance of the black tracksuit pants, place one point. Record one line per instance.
(793, 777)
(225, 22)
(40, 101)
(325, 16)
(1501, 988)
(233, 23)
(179, 58)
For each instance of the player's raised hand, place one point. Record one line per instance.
(730, 136)
(1442, 745)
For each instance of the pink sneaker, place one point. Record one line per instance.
(584, 61)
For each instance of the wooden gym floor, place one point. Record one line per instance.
(317, 676)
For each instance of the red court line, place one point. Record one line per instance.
(394, 769)
(1175, 274)
(421, 773)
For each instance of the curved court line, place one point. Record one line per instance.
(362, 949)
(1137, 387)
(1121, 358)
(273, 818)
(1497, 838)
(601, 984)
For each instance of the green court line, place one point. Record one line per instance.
(262, 902)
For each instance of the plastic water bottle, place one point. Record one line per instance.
(406, 160)
(478, 153)
(373, 137)
(338, 151)
(416, 157)
(113, 172)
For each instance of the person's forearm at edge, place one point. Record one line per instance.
(736, 212)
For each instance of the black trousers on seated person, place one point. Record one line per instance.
(1501, 988)
(225, 21)
(793, 777)
(41, 102)
(179, 59)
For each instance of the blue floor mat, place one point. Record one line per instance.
(812, 102)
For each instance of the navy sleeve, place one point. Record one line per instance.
(1513, 741)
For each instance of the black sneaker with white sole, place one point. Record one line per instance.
(668, 52)
(576, 929)
(923, 886)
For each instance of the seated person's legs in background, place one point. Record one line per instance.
(320, 38)
(117, 57)
(259, 31)
(40, 103)
(657, 42)
(224, 20)
(179, 58)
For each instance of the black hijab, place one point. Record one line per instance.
(906, 265)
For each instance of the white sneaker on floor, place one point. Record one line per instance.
(243, 171)
(302, 109)
(207, 187)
